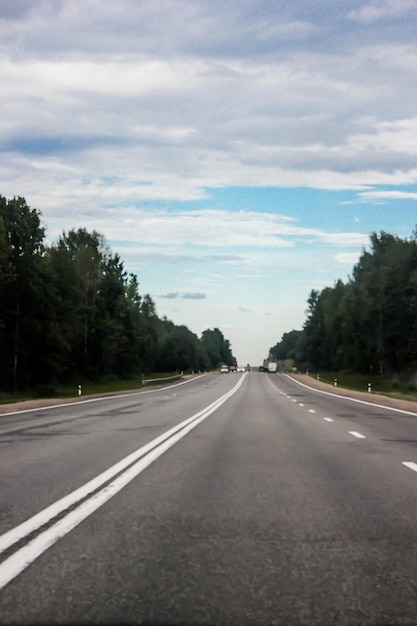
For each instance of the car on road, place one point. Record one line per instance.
(240, 368)
(224, 369)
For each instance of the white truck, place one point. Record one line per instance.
(272, 367)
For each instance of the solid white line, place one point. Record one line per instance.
(20, 560)
(336, 395)
(19, 532)
(101, 398)
(356, 434)
(328, 419)
(410, 465)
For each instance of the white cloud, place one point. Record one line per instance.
(345, 239)
(379, 197)
(349, 258)
(55, 79)
(394, 194)
(187, 116)
(383, 9)
(395, 136)
(160, 232)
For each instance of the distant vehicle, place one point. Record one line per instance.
(269, 365)
(240, 368)
(224, 369)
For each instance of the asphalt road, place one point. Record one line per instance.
(229, 499)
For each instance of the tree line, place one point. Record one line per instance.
(367, 324)
(70, 312)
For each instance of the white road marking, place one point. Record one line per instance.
(336, 395)
(356, 434)
(294, 400)
(410, 465)
(22, 558)
(101, 398)
(328, 419)
(311, 410)
(301, 404)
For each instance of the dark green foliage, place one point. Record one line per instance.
(25, 310)
(217, 348)
(69, 312)
(180, 350)
(368, 324)
(287, 347)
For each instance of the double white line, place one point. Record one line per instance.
(92, 496)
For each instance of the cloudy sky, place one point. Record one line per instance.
(237, 154)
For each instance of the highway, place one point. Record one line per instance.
(224, 499)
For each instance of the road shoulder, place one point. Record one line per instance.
(365, 396)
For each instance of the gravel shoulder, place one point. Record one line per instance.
(28, 405)
(404, 405)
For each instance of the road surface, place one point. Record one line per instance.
(239, 499)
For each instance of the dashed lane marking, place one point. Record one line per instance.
(356, 434)
(410, 465)
(349, 399)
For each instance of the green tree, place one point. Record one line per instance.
(384, 287)
(180, 351)
(217, 348)
(287, 348)
(69, 311)
(77, 260)
(370, 323)
(25, 298)
(111, 319)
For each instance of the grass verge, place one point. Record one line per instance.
(403, 390)
(88, 388)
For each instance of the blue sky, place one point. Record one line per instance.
(236, 154)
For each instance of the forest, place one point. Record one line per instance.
(367, 324)
(70, 312)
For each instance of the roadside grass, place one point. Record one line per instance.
(88, 388)
(9, 398)
(393, 387)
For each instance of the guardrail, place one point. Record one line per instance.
(157, 381)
